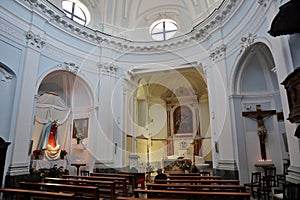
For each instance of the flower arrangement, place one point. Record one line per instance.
(181, 164)
(186, 164)
(37, 153)
(79, 137)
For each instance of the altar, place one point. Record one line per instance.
(166, 161)
(42, 164)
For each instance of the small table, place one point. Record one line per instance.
(78, 165)
(264, 166)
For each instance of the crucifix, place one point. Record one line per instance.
(259, 116)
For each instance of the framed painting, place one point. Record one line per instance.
(80, 127)
(183, 120)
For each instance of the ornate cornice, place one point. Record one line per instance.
(263, 2)
(70, 67)
(247, 41)
(34, 40)
(107, 68)
(218, 53)
(198, 34)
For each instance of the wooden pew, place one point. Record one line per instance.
(80, 191)
(105, 188)
(194, 177)
(129, 177)
(190, 194)
(120, 183)
(201, 181)
(23, 194)
(183, 174)
(137, 175)
(236, 188)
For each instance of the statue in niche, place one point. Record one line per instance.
(50, 144)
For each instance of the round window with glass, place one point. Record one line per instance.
(163, 29)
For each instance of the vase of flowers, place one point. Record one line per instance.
(37, 154)
(63, 154)
(186, 165)
(79, 137)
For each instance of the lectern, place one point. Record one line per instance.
(292, 86)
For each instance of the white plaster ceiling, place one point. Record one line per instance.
(131, 19)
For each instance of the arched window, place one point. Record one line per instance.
(76, 11)
(163, 29)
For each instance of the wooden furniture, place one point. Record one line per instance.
(3, 149)
(291, 191)
(139, 177)
(78, 165)
(194, 177)
(130, 179)
(84, 172)
(121, 184)
(193, 194)
(105, 188)
(255, 182)
(292, 86)
(201, 181)
(80, 191)
(183, 174)
(280, 178)
(32, 194)
(236, 188)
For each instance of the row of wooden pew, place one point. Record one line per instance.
(74, 187)
(117, 186)
(192, 186)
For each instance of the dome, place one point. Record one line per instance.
(132, 19)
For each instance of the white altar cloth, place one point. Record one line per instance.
(39, 164)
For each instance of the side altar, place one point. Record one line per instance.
(47, 164)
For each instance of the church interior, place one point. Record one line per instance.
(136, 85)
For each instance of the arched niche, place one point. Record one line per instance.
(8, 89)
(255, 83)
(74, 94)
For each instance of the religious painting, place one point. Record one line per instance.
(183, 120)
(80, 128)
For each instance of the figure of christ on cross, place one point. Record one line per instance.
(259, 116)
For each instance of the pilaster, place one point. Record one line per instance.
(25, 106)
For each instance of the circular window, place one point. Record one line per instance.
(163, 29)
(76, 11)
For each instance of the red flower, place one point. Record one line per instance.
(37, 152)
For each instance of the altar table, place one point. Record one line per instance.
(40, 164)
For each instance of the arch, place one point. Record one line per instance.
(8, 83)
(260, 86)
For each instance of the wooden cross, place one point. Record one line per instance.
(259, 116)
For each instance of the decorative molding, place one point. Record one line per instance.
(18, 169)
(263, 2)
(247, 41)
(70, 67)
(11, 32)
(199, 33)
(227, 165)
(107, 68)
(293, 174)
(6, 75)
(35, 41)
(218, 53)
